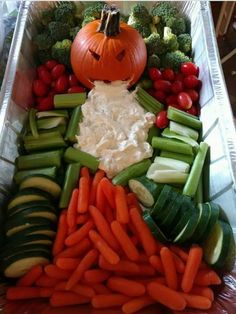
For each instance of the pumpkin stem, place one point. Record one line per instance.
(110, 21)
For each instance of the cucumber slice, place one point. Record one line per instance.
(29, 239)
(155, 230)
(146, 190)
(161, 201)
(21, 175)
(214, 215)
(36, 212)
(173, 210)
(43, 183)
(203, 221)
(52, 113)
(169, 203)
(33, 230)
(17, 209)
(9, 252)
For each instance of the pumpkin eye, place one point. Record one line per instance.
(94, 54)
(121, 55)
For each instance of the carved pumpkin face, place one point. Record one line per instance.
(95, 56)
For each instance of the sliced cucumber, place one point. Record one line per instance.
(37, 211)
(172, 212)
(155, 230)
(21, 175)
(169, 203)
(43, 183)
(8, 252)
(52, 113)
(161, 201)
(214, 215)
(28, 239)
(17, 209)
(33, 230)
(202, 222)
(146, 190)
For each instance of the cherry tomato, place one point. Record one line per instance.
(50, 64)
(177, 87)
(193, 110)
(154, 74)
(184, 100)
(179, 76)
(168, 74)
(39, 88)
(160, 96)
(193, 94)
(45, 76)
(189, 68)
(161, 120)
(162, 85)
(57, 71)
(76, 89)
(171, 99)
(41, 68)
(191, 81)
(73, 80)
(46, 104)
(62, 83)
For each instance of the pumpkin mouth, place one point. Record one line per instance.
(92, 80)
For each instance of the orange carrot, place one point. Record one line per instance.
(124, 240)
(137, 304)
(108, 213)
(83, 199)
(100, 198)
(132, 201)
(146, 269)
(63, 298)
(72, 209)
(96, 275)
(81, 289)
(156, 262)
(31, 276)
(143, 258)
(103, 301)
(109, 192)
(179, 264)
(197, 301)
(82, 219)
(62, 231)
(169, 268)
(67, 263)
(145, 281)
(55, 272)
(103, 228)
(122, 213)
(180, 252)
(72, 230)
(97, 178)
(84, 172)
(146, 237)
(166, 296)
(79, 234)
(191, 269)
(21, 293)
(46, 281)
(134, 240)
(125, 286)
(111, 256)
(46, 292)
(203, 291)
(100, 288)
(76, 250)
(123, 266)
(207, 278)
(88, 260)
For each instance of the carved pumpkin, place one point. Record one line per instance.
(108, 50)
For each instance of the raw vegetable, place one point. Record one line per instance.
(32, 122)
(148, 102)
(169, 134)
(182, 157)
(69, 100)
(168, 176)
(171, 145)
(75, 155)
(50, 123)
(52, 113)
(44, 141)
(184, 118)
(171, 164)
(21, 175)
(73, 125)
(183, 130)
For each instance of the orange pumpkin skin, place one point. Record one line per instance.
(95, 56)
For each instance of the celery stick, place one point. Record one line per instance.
(188, 140)
(191, 185)
(153, 131)
(60, 128)
(183, 130)
(199, 192)
(172, 164)
(145, 105)
(21, 175)
(69, 100)
(48, 134)
(44, 144)
(183, 118)
(186, 158)
(52, 113)
(149, 100)
(32, 122)
(168, 176)
(73, 155)
(73, 126)
(206, 176)
(50, 123)
(171, 145)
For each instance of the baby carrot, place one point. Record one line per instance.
(169, 268)
(125, 286)
(103, 301)
(83, 199)
(146, 269)
(180, 252)
(97, 178)
(84, 172)
(166, 296)
(72, 209)
(122, 213)
(72, 229)
(123, 266)
(137, 304)
(67, 263)
(103, 228)
(96, 275)
(111, 256)
(191, 269)
(146, 237)
(197, 301)
(82, 219)
(207, 278)
(31, 276)
(132, 201)
(76, 250)
(109, 192)
(134, 240)
(179, 264)
(63, 298)
(46, 292)
(79, 234)
(87, 261)
(203, 291)
(46, 281)
(100, 288)
(156, 262)
(21, 293)
(81, 289)
(55, 272)
(124, 240)
(62, 231)
(100, 198)
(108, 213)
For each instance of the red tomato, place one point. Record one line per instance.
(45, 76)
(160, 96)
(57, 71)
(193, 110)
(40, 88)
(191, 81)
(168, 74)
(162, 85)
(189, 68)
(193, 94)
(171, 99)
(62, 83)
(179, 76)
(161, 120)
(73, 80)
(46, 104)
(177, 87)
(50, 64)
(184, 101)
(41, 68)
(175, 106)
(154, 74)
(76, 89)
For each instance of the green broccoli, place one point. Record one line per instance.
(65, 13)
(185, 43)
(61, 51)
(59, 31)
(43, 41)
(74, 31)
(144, 30)
(124, 18)
(163, 11)
(94, 10)
(139, 13)
(47, 16)
(170, 40)
(155, 45)
(87, 20)
(153, 61)
(43, 56)
(177, 25)
(174, 59)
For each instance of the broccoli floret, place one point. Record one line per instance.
(177, 25)
(155, 45)
(88, 20)
(140, 12)
(174, 59)
(43, 41)
(74, 31)
(61, 51)
(163, 11)
(43, 56)
(185, 43)
(65, 13)
(59, 31)
(94, 10)
(170, 40)
(47, 16)
(153, 61)
(124, 18)
(144, 30)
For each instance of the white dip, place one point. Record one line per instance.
(114, 128)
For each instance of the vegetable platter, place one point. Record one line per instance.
(139, 233)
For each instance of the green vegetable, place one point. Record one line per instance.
(139, 12)
(33, 230)
(182, 157)
(52, 113)
(177, 25)
(87, 20)
(171, 212)
(163, 11)
(161, 202)
(50, 123)
(214, 216)
(171, 164)
(39, 204)
(183, 130)
(21, 175)
(73, 155)
(44, 41)
(44, 142)
(203, 221)
(148, 102)
(153, 61)
(155, 45)
(153, 131)
(61, 51)
(32, 122)
(174, 60)
(168, 176)
(36, 211)
(69, 100)
(171, 145)
(65, 12)
(143, 29)
(47, 16)
(184, 118)
(30, 239)
(169, 134)
(170, 40)
(58, 30)
(94, 10)
(73, 126)
(185, 43)
(155, 230)
(206, 176)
